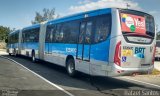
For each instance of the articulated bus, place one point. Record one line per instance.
(103, 42)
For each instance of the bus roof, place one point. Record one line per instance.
(81, 15)
(14, 31)
(31, 27)
(76, 17)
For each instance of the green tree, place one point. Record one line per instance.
(4, 31)
(46, 15)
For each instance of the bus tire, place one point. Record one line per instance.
(156, 58)
(71, 67)
(10, 54)
(33, 57)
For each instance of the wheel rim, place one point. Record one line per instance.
(71, 67)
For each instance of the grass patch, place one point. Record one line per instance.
(155, 72)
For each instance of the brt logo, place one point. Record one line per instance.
(139, 50)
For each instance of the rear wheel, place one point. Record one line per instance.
(155, 58)
(71, 67)
(33, 57)
(10, 54)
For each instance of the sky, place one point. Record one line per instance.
(19, 13)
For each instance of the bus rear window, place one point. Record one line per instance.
(137, 22)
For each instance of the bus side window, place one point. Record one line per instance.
(36, 34)
(88, 33)
(70, 32)
(16, 37)
(59, 34)
(102, 28)
(26, 36)
(73, 30)
(23, 36)
(81, 35)
(49, 34)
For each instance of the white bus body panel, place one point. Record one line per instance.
(116, 36)
(42, 35)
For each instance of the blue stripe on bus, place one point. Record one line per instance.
(98, 51)
(30, 45)
(59, 48)
(14, 45)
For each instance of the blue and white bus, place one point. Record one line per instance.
(103, 42)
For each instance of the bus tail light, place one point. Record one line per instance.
(117, 55)
(153, 58)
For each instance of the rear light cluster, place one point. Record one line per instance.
(154, 54)
(117, 55)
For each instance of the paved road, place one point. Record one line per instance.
(14, 77)
(83, 85)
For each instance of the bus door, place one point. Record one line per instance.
(83, 47)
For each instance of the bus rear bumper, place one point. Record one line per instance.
(119, 71)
